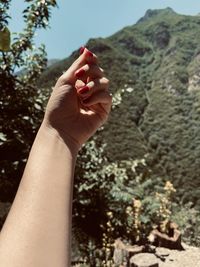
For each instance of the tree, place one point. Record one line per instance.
(21, 101)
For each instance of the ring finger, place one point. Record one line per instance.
(93, 86)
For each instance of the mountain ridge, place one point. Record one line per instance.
(154, 12)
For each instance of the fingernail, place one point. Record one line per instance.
(84, 90)
(80, 73)
(89, 54)
(81, 50)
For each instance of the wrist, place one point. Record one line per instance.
(51, 132)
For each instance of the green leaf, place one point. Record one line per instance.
(144, 219)
(5, 40)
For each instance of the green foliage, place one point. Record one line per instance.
(22, 103)
(4, 6)
(188, 219)
(37, 14)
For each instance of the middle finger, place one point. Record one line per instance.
(91, 71)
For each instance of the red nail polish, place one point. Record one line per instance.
(81, 50)
(88, 62)
(80, 73)
(89, 54)
(84, 90)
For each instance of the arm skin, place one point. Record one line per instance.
(37, 230)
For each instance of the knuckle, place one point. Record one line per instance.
(105, 80)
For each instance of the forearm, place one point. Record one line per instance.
(37, 229)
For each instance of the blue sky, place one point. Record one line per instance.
(76, 21)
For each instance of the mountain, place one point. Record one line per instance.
(52, 61)
(154, 66)
(152, 13)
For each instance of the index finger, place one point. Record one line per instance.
(87, 57)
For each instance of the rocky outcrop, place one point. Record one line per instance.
(144, 260)
(151, 256)
(194, 75)
(190, 256)
(152, 13)
(194, 83)
(123, 252)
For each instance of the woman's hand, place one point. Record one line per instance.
(80, 102)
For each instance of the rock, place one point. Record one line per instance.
(162, 252)
(122, 252)
(162, 37)
(119, 255)
(144, 260)
(190, 257)
(132, 250)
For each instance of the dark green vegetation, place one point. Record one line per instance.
(157, 120)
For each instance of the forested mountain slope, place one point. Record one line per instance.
(154, 67)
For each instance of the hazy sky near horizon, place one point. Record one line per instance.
(74, 22)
